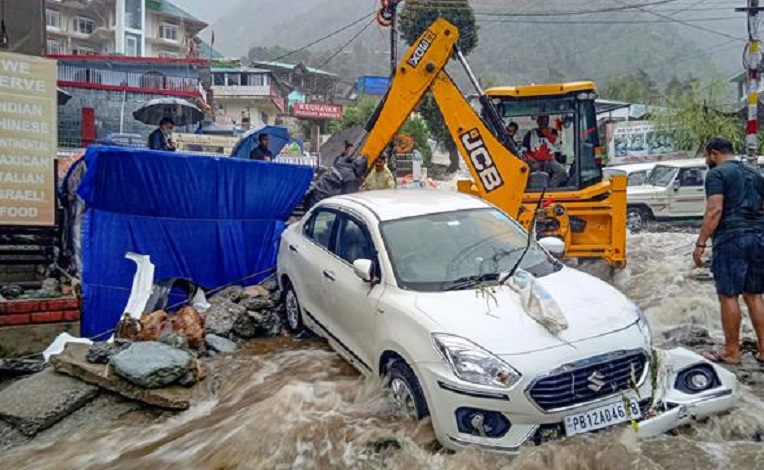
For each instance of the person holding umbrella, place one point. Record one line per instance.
(161, 138)
(262, 152)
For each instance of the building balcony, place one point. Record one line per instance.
(245, 91)
(146, 82)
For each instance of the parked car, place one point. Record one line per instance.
(636, 173)
(412, 285)
(674, 190)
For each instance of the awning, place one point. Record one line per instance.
(606, 106)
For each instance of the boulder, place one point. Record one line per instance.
(150, 364)
(258, 303)
(154, 325)
(271, 284)
(257, 291)
(232, 293)
(188, 323)
(72, 362)
(100, 353)
(244, 327)
(16, 367)
(221, 345)
(220, 317)
(268, 323)
(176, 341)
(37, 402)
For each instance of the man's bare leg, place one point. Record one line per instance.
(731, 319)
(755, 303)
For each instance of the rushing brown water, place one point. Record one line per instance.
(295, 404)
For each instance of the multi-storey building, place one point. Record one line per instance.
(137, 28)
(246, 97)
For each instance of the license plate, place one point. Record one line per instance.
(602, 417)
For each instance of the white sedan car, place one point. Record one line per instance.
(414, 285)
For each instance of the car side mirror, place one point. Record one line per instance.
(553, 245)
(364, 269)
(677, 185)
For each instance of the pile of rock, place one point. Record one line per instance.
(238, 313)
(164, 349)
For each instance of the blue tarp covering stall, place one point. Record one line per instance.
(213, 220)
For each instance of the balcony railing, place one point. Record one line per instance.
(148, 81)
(243, 91)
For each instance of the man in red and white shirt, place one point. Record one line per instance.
(541, 144)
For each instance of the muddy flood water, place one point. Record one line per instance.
(295, 404)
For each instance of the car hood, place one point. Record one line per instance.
(497, 321)
(644, 190)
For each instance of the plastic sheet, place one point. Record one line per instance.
(213, 220)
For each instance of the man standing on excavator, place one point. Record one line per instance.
(540, 145)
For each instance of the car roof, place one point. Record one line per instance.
(686, 163)
(631, 167)
(401, 203)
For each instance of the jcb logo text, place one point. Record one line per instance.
(481, 160)
(421, 48)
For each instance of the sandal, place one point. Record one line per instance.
(716, 357)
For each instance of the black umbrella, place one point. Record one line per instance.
(180, 111)
(63, 97)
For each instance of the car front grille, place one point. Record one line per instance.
(588, 380)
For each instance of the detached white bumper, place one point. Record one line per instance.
(674, 407)
(681, 408)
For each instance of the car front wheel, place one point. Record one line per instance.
(637, 218)
(407, 393)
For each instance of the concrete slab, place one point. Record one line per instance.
(72, 362)
(41, 400)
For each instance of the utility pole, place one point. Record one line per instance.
(752, 62)
(388, 16)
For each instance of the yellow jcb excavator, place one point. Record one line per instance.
(589, 214)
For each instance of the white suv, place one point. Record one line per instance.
(417, 286)
(675, 190)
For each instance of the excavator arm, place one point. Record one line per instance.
(500, 175)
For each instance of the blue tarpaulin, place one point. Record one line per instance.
(213, 220)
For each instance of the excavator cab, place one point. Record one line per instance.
(579, 208)
(570, 110)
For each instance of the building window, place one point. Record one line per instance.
(88, 76)
(134, 14)
(218, 79)
(53, 19)
(233, 79)
(132, 46)
(83, 25)
(168, 54)
(54, 47)
(169, 32)
(83, 50)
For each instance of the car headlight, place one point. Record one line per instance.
(642, 323)
(474, 364)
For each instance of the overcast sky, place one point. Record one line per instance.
(207, 10)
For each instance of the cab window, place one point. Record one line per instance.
(320, 226)
(691, 177)
(353, 241)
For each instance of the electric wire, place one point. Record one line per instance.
(342, 48)
(464, 4)
(323, 38)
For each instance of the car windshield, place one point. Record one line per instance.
(446, 251)
(661, 176)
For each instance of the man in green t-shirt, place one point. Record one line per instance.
(734, 219)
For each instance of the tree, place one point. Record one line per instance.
(632, 88)
(693, 117)
(360, 113)
(414, 20)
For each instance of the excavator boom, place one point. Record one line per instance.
(500, 175)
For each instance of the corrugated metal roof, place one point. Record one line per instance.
(168, 8)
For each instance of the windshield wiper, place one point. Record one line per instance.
(531, 236)
(471, 281)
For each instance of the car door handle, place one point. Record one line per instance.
(329, 275)
(293, 248)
